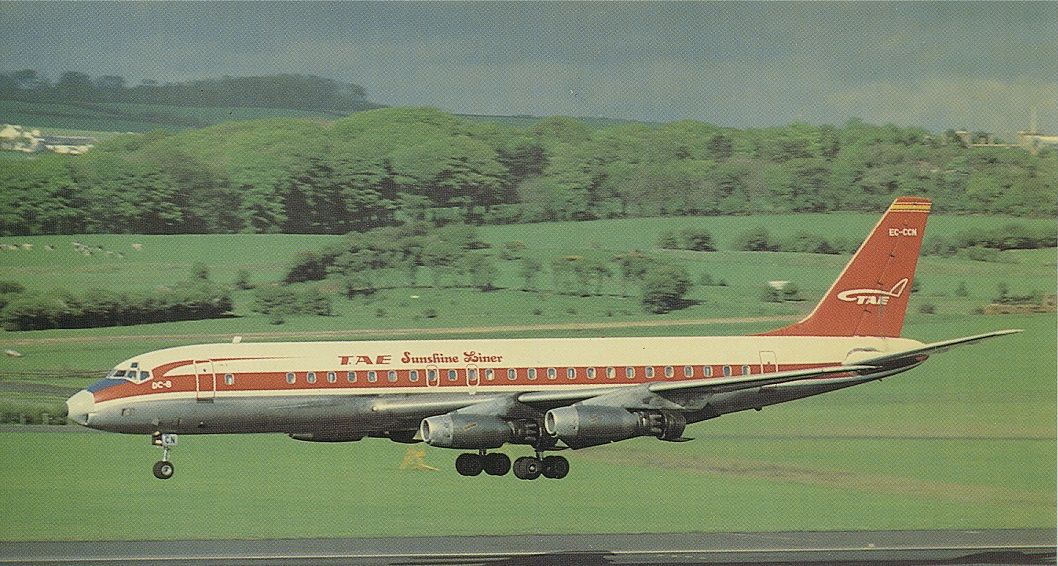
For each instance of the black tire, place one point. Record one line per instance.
(497, 464)
(527, 468)
(555, 467)
(164, 470)
(469, 464)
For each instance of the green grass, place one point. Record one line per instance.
(966, 441)
(97, 486)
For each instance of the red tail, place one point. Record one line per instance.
(870, 296)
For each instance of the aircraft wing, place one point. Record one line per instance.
(921, 353)
(704, 386)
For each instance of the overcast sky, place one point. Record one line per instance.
(935, 65)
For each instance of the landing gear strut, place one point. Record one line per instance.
(164, 469)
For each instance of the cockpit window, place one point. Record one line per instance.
(119, 373)
(145, 375)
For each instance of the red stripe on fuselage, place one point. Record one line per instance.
(277, 380)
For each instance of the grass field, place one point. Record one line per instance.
(966, 441)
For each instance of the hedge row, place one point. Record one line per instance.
(759, 239)
(188, 300)
(1011, 236)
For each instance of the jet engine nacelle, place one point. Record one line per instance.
(581, 426)
(456, 430)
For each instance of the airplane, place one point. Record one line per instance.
(549, 395)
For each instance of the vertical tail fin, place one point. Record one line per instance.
(870, 296)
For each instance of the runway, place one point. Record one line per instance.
(1025, 546)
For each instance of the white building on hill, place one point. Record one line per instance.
(17, 138)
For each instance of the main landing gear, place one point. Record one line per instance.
(164, 469)
(525, 468)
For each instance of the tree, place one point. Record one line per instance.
(75, 86)
(480, 271)
(529, 270)
(664, 287)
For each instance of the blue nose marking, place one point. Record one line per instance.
(104, 384)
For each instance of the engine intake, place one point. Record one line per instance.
(581, 426)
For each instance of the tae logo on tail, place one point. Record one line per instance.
(873, 296)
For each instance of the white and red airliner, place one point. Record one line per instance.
(547, 394)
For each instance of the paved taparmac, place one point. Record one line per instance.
(1023, 546)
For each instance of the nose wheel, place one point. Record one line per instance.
(164, 469)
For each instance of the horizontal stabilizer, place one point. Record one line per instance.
(926, 350)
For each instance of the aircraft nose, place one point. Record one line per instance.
(80, 406)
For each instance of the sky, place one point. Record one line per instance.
(936, 65)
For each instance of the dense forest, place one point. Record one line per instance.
(302, 92)
(399, 165)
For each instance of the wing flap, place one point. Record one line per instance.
(711, 385)
(724, 385)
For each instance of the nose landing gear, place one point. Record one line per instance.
(164, 469)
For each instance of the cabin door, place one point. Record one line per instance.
(768, 363)
(205, 381)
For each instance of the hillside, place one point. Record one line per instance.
(129, 117)
(385, 167)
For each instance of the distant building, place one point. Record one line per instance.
(17, 138)
(1033, 141)
(71, 145)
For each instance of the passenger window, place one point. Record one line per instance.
(413, 375)
(551, 373)
(532, 373)
(669, 372)
(311, 377)
(650, 372)
(372, 376)
(707, 371)
(351, 376)
(688, 371)
(490, 374)
(611, 373)
(452, 375)
(630, 372)
(745, 370)
(727, 371)
(391, 376)
(431, 375)
(472, 373)
(591, 373)
(571, 373)
(291, 378)
(332, 377)
(229, 379)
(512, 374)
